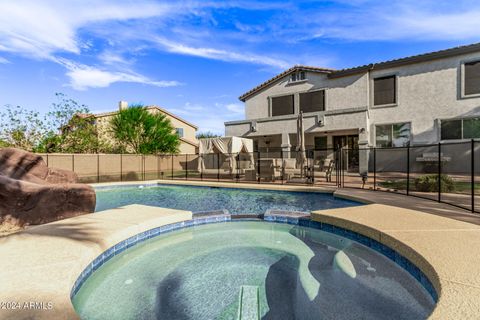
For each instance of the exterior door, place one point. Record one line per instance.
(350, 146)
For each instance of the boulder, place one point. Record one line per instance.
(32, 193)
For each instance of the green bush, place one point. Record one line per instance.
(429, 183)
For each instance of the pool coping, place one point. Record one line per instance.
(56, 258)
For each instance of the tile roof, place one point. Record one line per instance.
(244, 96)
(331, 73)
(111, 113)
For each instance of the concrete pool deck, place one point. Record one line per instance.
(42, 263)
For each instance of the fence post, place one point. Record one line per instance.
(218, 166)
(143, 166)
(171, 171)
(121, 167)
(238, 167)
(374, 168)
(73, 162)
(472, 169)
(258, 166)
(281, 167)
(186, 166)
(201, 171)
(439, 172)
(408, 169)
(47, 159)
(98, 168)
(312, 172)
(158, 166)
(336, 166)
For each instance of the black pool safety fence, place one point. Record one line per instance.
(444, 172)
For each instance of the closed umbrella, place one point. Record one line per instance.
(301, 158)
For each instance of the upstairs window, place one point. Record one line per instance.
(392, 135)
(282, 105)
(179, 132)
(312, 101)
(472, 78)
(457, 129)
(384, 91)
(298, 76)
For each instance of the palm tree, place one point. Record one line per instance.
(140, 131)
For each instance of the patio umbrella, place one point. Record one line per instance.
(300, 158)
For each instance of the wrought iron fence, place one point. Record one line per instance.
(444, 172)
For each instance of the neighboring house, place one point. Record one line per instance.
(185, 130)
(423, 99)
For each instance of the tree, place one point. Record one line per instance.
(63, 112)
(21, 128)
(72, 129)
(140, 131)
(206, 134)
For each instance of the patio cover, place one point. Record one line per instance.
(229, 146)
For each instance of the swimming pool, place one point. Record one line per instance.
(201, 199)
(299, 273)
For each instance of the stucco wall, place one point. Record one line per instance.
(427, 92)
(347, 92)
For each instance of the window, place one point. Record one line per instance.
(179, 132)
(384, 91)
(392, 135)
(282, 105)
(320, 143)
(297, 76)
(457, 129)
(312, 101)
(472, 78)
(451, 129)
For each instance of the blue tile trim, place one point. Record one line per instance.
(301, 221)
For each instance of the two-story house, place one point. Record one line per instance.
(185, 130)
(423, 99)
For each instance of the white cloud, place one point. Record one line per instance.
(112, 58)
(3, 60)
(83, 77)
(219, 54)
(39, 28)
(235, 108)
(210, 118)
(398, 20)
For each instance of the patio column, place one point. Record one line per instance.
(286, 145)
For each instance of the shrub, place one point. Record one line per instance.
(429, 183)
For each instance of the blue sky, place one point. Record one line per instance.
(195, 58)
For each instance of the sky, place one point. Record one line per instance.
(195, 58)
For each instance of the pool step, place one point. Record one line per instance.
(249, 305)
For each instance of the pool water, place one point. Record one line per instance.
(300, 273)
(198, 199)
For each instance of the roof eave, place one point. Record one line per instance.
(279, 76)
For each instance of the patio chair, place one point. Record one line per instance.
(289, 168)
(269, 170)
(324, 170)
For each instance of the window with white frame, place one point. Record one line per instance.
(457, 129)
(298, 76)
(392, 135)
(179, 132)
